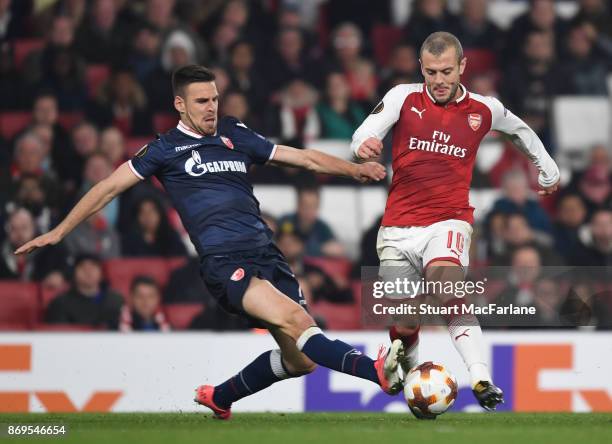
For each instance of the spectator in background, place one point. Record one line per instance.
(571, 214)
(582, 67)
(222, 80)
(234, 103)
(290, 60)
(244, 76)
(11, 25)
(516, 234)
(547, 301)
(594, 186)
(224, 36)
(475, 30)
(429, 16)
(40, 266)
(403, 67)
(32, 195)
(99, 39)
(597, 14)
(58, 67)
(143, 58)
(318, 238)
(531, 82)
(112, 145)
(314, 282)
(122, 103)
(29, 159)
(540, 18)
(88, 301)
(45, 112)
(85, 140)
(516, 199)
(97, 168)
(526, 269)
(144, 312)
(151, 234)
(339, 116)
(595, 249)
(295, 120)
(94, 236)
(177, 50)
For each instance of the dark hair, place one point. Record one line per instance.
(438, 42)
(309, 188)
(143, 280)
(188, 74)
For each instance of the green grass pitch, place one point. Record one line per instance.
(319, 428)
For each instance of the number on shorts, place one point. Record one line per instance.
(459, 242)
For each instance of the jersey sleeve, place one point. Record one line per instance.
(148, 160)
(526, 140)
(382, 117)
(256, 146)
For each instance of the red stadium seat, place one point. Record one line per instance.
(65, 327)
(14, 326)
(133, 144)
(480, 61)
(181, 315)
(95, 76)
(121, 272)
(19, 303)
(163, 122)
(384, 38)
(338, 316)
(176, 262)
(335, 267)
(25, 46)
(13, 122)
(69, 120)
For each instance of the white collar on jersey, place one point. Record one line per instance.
(463, 88)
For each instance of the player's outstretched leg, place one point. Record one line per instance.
(466, 336)
(266, 303)
(270, 367)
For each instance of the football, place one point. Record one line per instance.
(430, 390)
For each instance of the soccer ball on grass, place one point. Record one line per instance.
(430, 390)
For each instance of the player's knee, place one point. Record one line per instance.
(296, 321)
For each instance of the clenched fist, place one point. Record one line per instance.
(369, 172)
(370, 148)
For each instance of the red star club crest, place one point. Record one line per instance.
(227, 142)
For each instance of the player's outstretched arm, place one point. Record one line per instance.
(319, 162)
(95, 199)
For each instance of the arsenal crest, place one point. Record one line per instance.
(474, 120)
(227, 142)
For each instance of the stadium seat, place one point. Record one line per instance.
(95, 76)
(480, 61)
(384, 38)
(338, 316)
(133, 144)
(181, 315)
(336, 267)
(64, 327)
(163, 122)
(69, 120)
(25, 46)
(19, 303)
(339, 210)
(371, 202)
(12, 123)
(121, 272)
(580, 123)
(277, 200)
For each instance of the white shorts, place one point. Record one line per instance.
(413, 248)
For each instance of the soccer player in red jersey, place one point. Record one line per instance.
(426, 228)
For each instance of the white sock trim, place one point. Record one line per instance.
(306, 335)
(276, 364)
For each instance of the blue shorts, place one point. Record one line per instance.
(227, 276)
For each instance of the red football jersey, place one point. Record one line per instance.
(434, 149)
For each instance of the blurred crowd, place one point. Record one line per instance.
(295, 72)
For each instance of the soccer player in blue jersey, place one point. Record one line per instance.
(203, 166)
